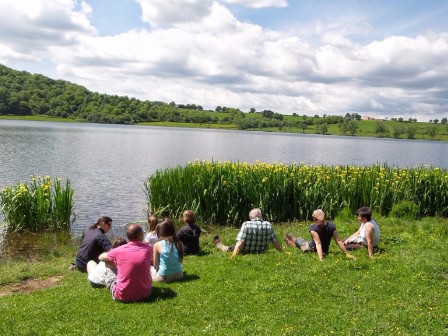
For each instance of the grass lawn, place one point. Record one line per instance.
(403, 290)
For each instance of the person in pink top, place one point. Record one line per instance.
(133, 281)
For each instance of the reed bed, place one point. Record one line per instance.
(41, 205)
(224, 192)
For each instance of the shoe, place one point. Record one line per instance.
(72, 267)
(216, 239)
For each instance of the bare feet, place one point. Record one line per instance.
(290, 240)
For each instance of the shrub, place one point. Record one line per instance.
(345, 215)
(224, 192)
(405, 209)
(41, 205)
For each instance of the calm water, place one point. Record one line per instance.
(108, 164)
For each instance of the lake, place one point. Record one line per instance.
(108, 164)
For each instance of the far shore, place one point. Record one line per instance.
(332, 130)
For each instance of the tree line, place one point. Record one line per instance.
(22, 93)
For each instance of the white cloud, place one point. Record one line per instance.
(30, 28)
(85, 8)
(206, 56)
(167, 13)
(259, 3)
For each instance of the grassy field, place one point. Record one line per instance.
(401, 291)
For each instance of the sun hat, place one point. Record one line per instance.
(319, 214)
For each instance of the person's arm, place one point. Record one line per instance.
(103, 257)
(181, 233)
(238, 247)
(356, 234)
(368, 227)
(105, 243)
(278, 245)
(156, 255)
(318, 243)
(341, 244)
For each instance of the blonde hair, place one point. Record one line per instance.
(189, 216)
(152, 222)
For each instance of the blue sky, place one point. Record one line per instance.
(378, 58)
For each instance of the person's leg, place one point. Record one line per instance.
(91, 266)
(220, 246)
(290, 240)
(306, 247)
(354, 244)
(294, 241)
(110, 280)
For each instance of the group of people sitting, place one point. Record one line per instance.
(128, 268)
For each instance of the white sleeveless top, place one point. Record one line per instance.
(375, 235)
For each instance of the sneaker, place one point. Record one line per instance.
(72, 267)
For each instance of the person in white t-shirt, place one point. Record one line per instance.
(98, 273)
(151, 237)
(368, 234)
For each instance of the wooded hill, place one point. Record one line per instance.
(25, 94)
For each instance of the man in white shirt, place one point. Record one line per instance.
(368, 234)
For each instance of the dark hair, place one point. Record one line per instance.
(189, 216)
(152, 222)
(102, 219)
(365, 212)
(134, 231)
(167, 231)
(118, 242)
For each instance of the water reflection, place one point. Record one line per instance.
(29, 245)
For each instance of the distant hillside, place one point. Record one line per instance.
(25, 94)
(22, 93)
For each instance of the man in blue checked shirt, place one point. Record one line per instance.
(254, 236)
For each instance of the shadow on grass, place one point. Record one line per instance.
(199, 254)
(190, 277)
(161, 294)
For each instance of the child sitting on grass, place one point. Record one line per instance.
(168, 254)
(190, 233)
(98, 273)
(151, 238)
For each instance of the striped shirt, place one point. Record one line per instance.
(256, 235)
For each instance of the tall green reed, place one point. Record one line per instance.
(224, 192)
(37, 206)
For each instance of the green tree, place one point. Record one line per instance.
(410, 131)
(431, 131)
(398, 131)
(322, 128)
(349, 127)
(381, 129)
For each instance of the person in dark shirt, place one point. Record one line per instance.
(94, 242)
(321, 233)
(190, 233)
